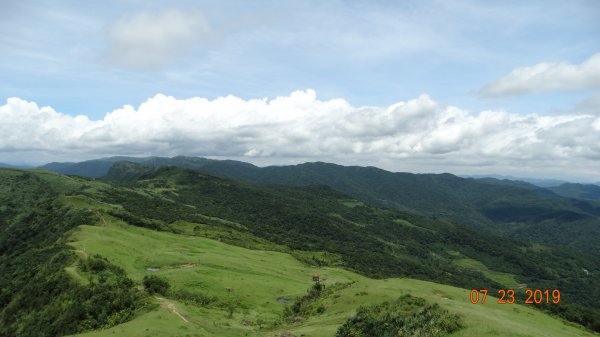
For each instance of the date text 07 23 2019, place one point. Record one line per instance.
(507, 296)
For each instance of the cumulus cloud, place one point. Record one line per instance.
(300, 125)
(149, 40)
(547, 76)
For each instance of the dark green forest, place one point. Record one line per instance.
(37, 297)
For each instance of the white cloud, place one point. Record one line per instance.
(547, 76)
(153, 40)
(416, 132)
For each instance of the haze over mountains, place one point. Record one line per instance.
(14, 166)
(534, 181)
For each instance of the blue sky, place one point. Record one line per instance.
(92, 58)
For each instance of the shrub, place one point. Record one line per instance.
(156, 285)
(407, 316)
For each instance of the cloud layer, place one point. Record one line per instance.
(417, 132)
(547, 76)
(152, 40)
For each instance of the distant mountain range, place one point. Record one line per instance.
(3, 165)
(579, 191)
(98, 168)
(567, 214)
(533, 181)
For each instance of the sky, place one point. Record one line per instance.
(466, 87)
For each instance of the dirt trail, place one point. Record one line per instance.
(173, 309)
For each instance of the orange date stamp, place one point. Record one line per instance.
(507, 296)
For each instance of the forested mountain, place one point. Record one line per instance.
(509, 208)
(516, 209)
(97, 168)
(578, 191)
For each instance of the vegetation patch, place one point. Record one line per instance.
(193, 298)
(312, 304)
(318, 259)
(407, 316)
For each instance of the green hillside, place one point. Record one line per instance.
(75, 253)
(254, 280)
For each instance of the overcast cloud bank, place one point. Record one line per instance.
(419, 131)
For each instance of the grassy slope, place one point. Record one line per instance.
(258, 278)
(506, 279)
